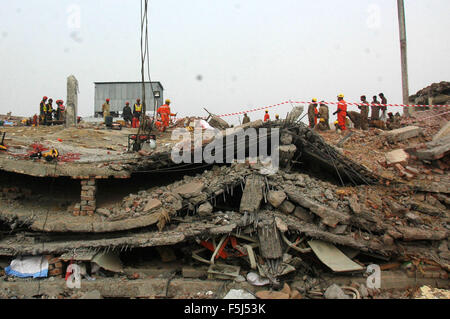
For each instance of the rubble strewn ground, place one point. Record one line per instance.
(159, 230)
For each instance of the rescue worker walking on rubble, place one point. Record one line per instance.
(267, 116)
(364, 107)
(246, 119)
(137, 114)
(126, 113)
(313, 113)
(341, 113)
(324, 115)
(49, 112)
(383, 106)
(43, 111)
(106, 109)
(165, 113)
(375, 109)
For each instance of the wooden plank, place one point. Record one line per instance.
(270, 241)
(253, 194)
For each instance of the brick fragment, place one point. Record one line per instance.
(55, 272)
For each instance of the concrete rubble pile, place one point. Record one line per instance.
(326, 214)
(435, 94)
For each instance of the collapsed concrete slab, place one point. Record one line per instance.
(402, 134)
(435, 150)
(444, 132)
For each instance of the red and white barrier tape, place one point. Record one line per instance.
(332, 103)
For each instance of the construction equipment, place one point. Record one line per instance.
(135, 141)
(3, 147)
(49, 156)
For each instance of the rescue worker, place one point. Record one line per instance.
(126, 114)
(165, 113)
(375, 109)
(342, 112)
(277, 117)
(267, 116)
(49, 115)
(364, 107)
(337, 126)
(137, 113)
(35, 120)
(393, 122)
(324, 115)
(43, 111)
(313, 113)
(60, 110)
(246, 119)
(106, 109)
(383, 106)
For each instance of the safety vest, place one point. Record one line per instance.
(138, 108)
(44, 107)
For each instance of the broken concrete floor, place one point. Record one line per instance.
(189, 236)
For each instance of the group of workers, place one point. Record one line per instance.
(320, 118)
(135, 116)
(47, 113)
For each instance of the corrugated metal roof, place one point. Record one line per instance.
(131, 82)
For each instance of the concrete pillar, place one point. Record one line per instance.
(72, 102)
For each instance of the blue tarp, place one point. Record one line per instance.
(42, 274)
(25, 267)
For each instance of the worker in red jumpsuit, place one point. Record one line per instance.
(342, 112)
(267, 116)
(165, 113)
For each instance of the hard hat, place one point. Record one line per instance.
(107, 100)
(314, 100)
(341, 95)
(45, 98)
(322, 120)
(167, 101)
(128, 103)
(267, 111)
(276, 115)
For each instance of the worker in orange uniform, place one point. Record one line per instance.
(267, 116)
(137, 113)
(342, 112)
(165, 113)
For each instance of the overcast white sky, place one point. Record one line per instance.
(249, 53)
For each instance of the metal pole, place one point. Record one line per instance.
(404, 54)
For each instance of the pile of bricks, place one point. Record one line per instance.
(428, 272)
(88, 198)
(55, 267)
